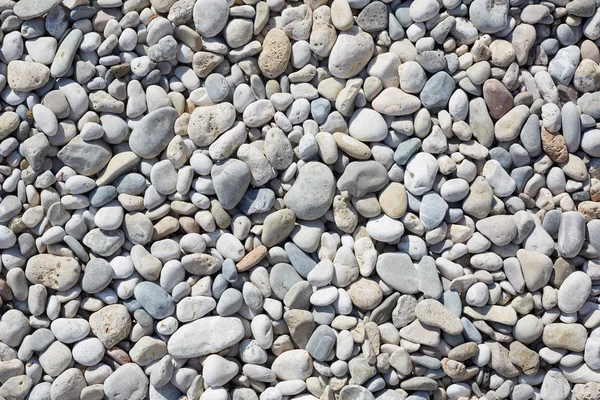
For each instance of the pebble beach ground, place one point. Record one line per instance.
(299, 200)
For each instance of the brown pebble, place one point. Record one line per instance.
(555, 146)
(119, 355)
(497, 98)
(252, 258)
(5, 291)
(273, 60)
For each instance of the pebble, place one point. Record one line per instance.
(354, 199)
(205, 336)
(153, 133)
(353, 42)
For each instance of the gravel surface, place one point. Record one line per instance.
(285, 200)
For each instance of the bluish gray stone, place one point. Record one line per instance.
(65, 53)
(489, 16)
(406, 150)
(551, 222)
(230, 302)
(571, 234)
(86, 158)
(433, 209)
(257, 201)
(502, 156)
(154, 299)
(231, 178)
(97, 275)
(299, 259)
(571, 126)
(30, 9)
(398, 272)
(321, 343)
(153, 133)
(282, 277)
(437, 91)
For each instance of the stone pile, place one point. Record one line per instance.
(277, 200)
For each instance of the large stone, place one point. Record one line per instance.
(205, 336)
(231, 178)
(536, 267)
(85, 157)
(154, 132)
(54, 272)
(312, 193)
(398, 272)
(351, 53)
(209, 122)
(293, 364)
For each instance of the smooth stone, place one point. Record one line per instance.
(321, 343)
(362, 177)
(432, 210)
(154, 299)
(350, 53)
(153, 133)
(537, 268)
(437, 91)
(312, 193)
(293, 364)
(30, 9)
(367, 125)
(230, 180)
(85, 157)
(210, 17)
(205, 336)
(574, 292)
(127, 382)
(398, 272)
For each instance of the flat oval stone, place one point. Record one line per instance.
(85, 157)
(30, 9)
(432, 312)
(127, 382)
(66, 52)
(395, 102)
(367, 125)
(574, 292)
(437, 91)
(210, 17)
(154, 299)
(355, 392)
(204, 336)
